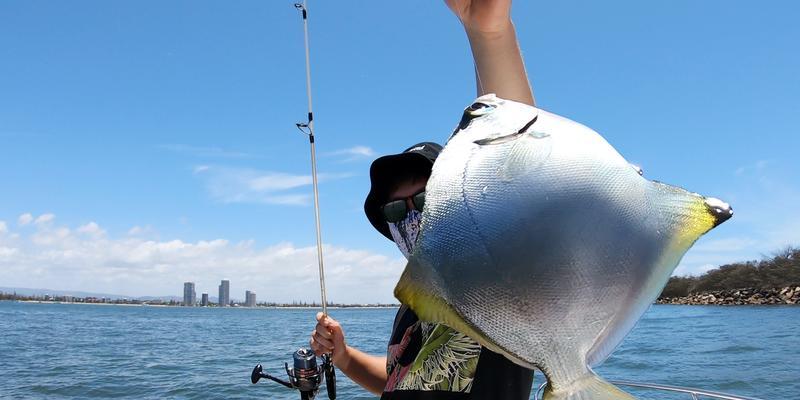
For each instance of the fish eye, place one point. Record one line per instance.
(477, 106)
(477, 109)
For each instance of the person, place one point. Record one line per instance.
(425, 360)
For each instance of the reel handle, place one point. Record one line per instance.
(258, 373)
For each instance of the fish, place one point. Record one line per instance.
(542, 243)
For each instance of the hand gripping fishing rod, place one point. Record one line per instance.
(305, 375)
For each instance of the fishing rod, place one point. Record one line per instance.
(305, 375)
(308, 129)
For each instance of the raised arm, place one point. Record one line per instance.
(493, 39)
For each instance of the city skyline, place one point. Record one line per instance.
(223, 300)
(42, 295)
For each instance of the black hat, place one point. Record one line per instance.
(419, 156)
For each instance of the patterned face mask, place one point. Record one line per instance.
(404, 233)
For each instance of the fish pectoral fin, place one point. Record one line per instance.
(589, 386)
(419, 290)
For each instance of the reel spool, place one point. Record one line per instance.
(306, 375)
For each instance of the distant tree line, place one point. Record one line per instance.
(780, 271)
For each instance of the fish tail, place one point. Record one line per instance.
(690, 214)
(588, 387)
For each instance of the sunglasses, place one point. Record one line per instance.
(396, 210)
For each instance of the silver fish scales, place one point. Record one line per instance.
(541, 242)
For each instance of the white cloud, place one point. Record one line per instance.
(44, 219)
(48, 236)
(140, 230)
(275, 181)
(353, 153)
(63, 258)
(244, 185)
(288, 200)
(3, 227)
(91, 229)
(25, 219)
(7, 253)
(204, 151)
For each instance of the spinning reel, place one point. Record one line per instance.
(305, 375)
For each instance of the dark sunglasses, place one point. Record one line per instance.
(396, 210)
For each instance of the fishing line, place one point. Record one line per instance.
(481, 92)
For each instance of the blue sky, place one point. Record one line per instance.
(147, 143)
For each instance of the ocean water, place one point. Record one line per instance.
(64, 351)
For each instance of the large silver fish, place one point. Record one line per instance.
(541, 242)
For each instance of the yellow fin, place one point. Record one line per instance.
(589, 387)
(432, 308)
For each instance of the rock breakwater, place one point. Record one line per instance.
(747, 296)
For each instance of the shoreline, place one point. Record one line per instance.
(290, 307)
(789, 295)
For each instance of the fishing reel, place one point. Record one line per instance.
(305, 375)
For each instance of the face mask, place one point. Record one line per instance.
(404, 233)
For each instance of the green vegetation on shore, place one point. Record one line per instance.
(779, 271)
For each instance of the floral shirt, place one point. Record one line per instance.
(427, 361)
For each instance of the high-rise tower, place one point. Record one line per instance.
(189, 295)
(224, 293)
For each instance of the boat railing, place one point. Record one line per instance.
(696, 394)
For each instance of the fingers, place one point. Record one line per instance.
(323, 332)
(319, 344)
(326, 336)
(329, 323)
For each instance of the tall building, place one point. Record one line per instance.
(204, 301)
(224, 293)
(189, 295)
(250, 299)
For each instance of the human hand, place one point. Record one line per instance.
(482, 16)
(328, 337)
(499, 67)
